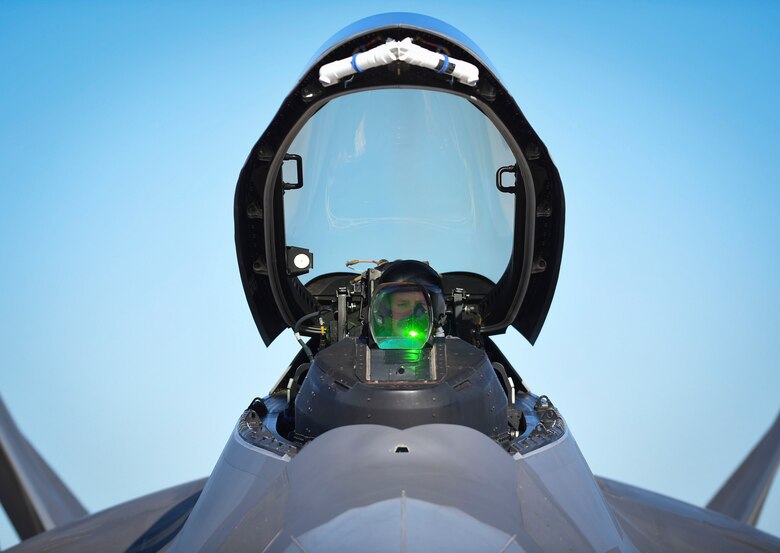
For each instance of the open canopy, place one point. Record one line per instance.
(399, 141)
(397, 174)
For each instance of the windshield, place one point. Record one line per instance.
(400, 174)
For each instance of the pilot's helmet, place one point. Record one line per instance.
(407, 303)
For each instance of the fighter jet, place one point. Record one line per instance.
(397, 213)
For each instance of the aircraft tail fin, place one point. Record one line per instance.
(742, 496)
(34, 497)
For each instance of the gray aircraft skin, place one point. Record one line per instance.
(362, 446)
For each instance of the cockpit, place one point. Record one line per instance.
(401, 363)
(397, 212)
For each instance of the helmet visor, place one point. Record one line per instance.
(400, 316)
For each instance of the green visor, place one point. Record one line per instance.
(400, 316)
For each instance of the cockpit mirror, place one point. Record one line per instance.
(299, 260)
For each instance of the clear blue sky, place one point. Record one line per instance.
(128, 350)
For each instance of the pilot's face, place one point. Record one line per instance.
(400, 316)
(404, 305)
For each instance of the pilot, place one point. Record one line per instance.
(407, 305)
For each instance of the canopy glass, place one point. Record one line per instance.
(400, 174)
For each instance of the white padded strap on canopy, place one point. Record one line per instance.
(405, 51)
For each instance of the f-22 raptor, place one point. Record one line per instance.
(435, 214)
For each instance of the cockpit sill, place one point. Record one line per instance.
(533, 423)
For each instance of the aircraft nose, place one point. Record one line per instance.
(402, 524)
